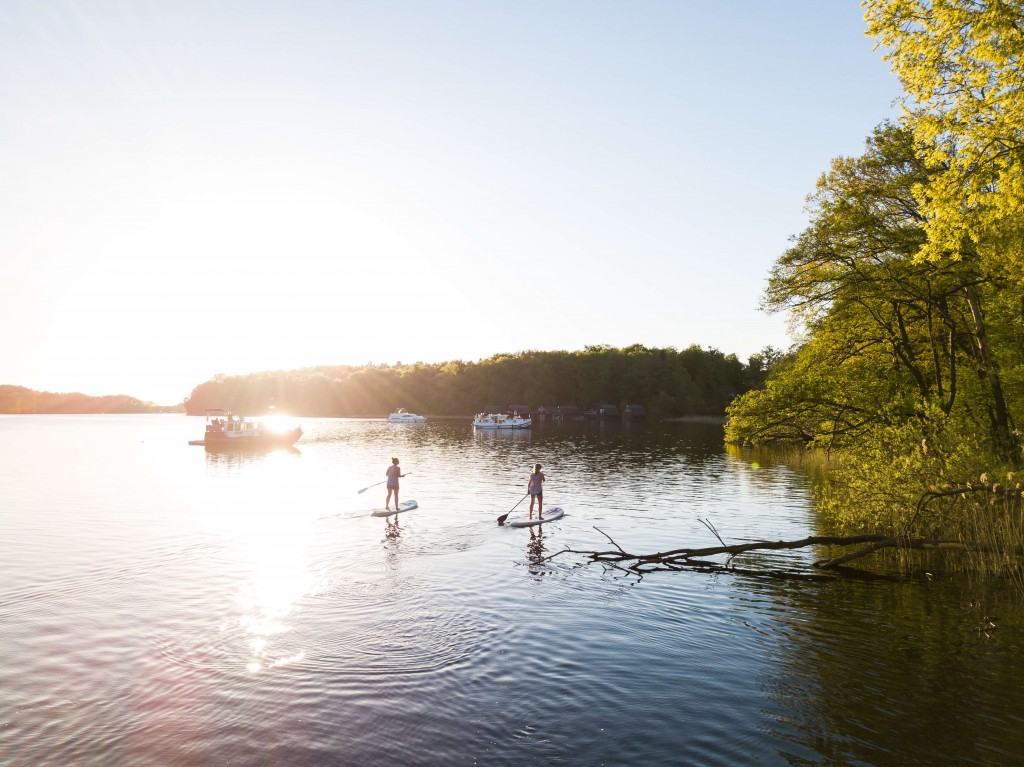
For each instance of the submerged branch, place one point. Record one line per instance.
(692, 558)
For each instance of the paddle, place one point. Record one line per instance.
(381, 483)
(503, 517)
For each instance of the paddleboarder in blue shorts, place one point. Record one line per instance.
(535, 487)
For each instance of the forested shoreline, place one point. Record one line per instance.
(667, 382)
(18, 400)
(908, 287)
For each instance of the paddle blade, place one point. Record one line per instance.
(503, 517)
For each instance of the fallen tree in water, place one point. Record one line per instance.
(694, 558)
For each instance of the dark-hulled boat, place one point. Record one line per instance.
(225, 429)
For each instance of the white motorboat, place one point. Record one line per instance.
(500, 421)
(403, 416)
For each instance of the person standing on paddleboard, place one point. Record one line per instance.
(535, 487)
(393, 473)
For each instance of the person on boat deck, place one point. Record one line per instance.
(535, 487)
(393, 473)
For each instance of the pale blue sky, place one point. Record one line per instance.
(200, 188)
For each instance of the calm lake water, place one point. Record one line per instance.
(164, 605)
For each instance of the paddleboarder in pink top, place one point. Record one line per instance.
(535, 487)
(393, 473)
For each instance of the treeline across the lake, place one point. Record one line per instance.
(909, 286)
(666, 382)
(16, 400)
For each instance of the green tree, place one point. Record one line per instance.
(960, 63)
(890, 334)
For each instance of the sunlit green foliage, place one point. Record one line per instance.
(909, 286)
(960, 63)
(911, 367)
(886, 334)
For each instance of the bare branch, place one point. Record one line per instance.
(711, 527)
(693, 558)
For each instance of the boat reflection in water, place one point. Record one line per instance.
(501, 435)
(230, 456)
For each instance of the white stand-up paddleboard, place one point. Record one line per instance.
(549, 515)
(403, 506)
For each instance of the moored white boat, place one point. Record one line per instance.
(403, 416)
(500, 421)
(225, 429)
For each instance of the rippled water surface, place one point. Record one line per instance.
(165, 605)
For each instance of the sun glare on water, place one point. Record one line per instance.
(277, 576)
(279, 424)
(269, 560)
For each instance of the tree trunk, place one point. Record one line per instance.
(1002, 434)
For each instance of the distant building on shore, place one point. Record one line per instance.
(602, 412)
(593, 412)
(568, 413)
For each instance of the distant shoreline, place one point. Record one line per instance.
(720, 419)
(717, 419)
(711, 419)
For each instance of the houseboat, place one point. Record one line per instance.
(500, 421)
(225, 429)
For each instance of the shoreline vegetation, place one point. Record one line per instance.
(19, 400)
(906, 288)
(668, 383)
(693, 384)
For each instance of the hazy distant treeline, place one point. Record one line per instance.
(19, 400)
(666, 382)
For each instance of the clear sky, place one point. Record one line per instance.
(193, 188)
